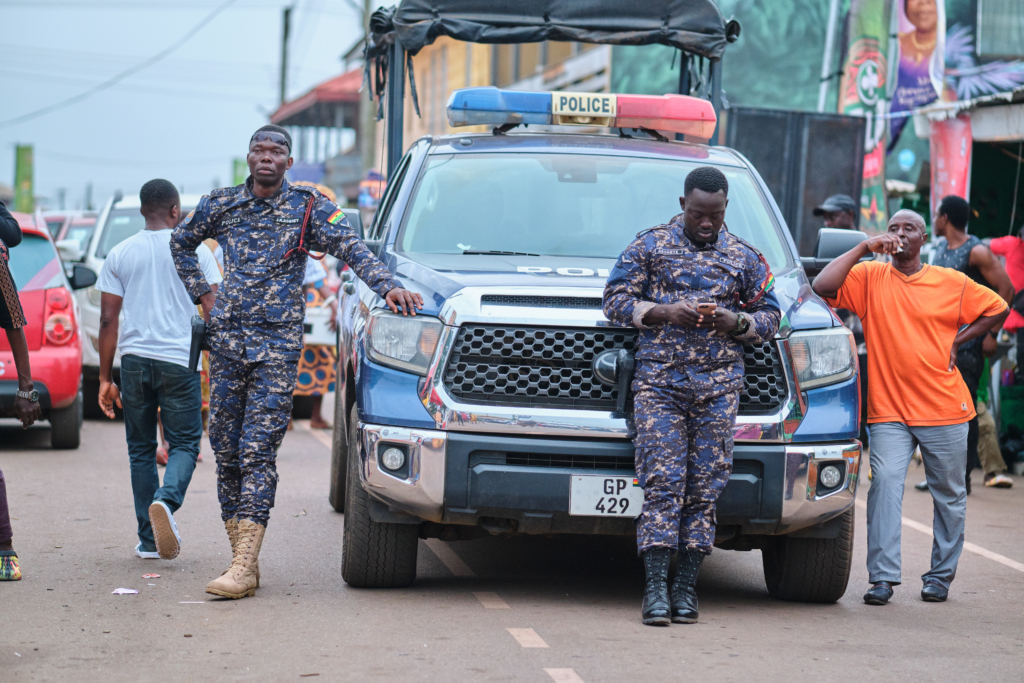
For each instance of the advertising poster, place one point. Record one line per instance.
(24, 195)
(862, 92)
(950, 159)
(919, 53)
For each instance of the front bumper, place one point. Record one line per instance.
(473, 479)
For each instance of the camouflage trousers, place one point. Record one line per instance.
(684, 421)
(250, 406)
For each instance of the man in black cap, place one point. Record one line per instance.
(839, 211)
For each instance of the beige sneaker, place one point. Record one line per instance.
(240, 580)
(165, 531)
(232, 528)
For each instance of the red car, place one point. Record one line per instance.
(51, 329)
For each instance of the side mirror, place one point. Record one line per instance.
(70, 250)
(81, 277)
(355, 219)
(832, 242)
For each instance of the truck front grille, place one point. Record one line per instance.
(551, 368)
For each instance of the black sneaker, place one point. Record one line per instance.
(879, 594)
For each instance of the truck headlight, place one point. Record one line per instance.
(404, 343)
(821, 358)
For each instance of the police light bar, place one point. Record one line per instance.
(493, 107)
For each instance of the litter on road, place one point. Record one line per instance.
(124, 591)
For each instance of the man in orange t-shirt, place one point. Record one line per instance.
(915, 318)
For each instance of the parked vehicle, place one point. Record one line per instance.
(118, 220)
(74, 238)
(51, 330)
(58, 221)
(502, 407)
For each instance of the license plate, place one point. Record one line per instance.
(593, 495)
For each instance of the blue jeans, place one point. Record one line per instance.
(148, 385)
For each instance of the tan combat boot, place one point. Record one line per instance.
(232, 528)
(240, 580)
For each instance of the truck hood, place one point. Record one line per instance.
(438, 276)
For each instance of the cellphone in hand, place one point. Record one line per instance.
(706, 309)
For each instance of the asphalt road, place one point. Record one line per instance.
(494, 609)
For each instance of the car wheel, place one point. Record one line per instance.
(91, 399)
(339, 456)
(810, 569)
(374, 555)
(66, 425)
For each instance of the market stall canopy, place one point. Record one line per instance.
(333, 103)
(694, 26)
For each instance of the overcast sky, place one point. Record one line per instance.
(183, 118)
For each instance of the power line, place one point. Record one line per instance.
(121, 76)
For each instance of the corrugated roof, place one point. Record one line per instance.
(341, 89)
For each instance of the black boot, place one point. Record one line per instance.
(656, 610)
(684, 587)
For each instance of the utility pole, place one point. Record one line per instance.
(826, 59)
(284, 53)
(367, 107)
(88, 196)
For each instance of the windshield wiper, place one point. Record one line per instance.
(480, 252)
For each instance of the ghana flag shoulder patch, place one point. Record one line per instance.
(336, 217)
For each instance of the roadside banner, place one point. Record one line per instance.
(862, 92)
(24, 193)
(919, 52)
(239, 171)
(950, 159)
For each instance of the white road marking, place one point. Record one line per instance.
(491, 601)
(448, 557)
(563, 675)
(970, 547)
(527, 637)
(317, 433)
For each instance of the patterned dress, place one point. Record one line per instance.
(317, 363)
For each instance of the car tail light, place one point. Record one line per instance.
(59, 325)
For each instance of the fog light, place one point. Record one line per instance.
(829, 476)
(394, 458)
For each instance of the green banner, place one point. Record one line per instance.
(240, 171)
(862, 92)
(24, 196)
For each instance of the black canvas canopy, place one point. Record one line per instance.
(694, 26)
(397, 33)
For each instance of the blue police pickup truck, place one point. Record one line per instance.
(500, 408)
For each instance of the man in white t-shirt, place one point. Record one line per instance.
(139, 278)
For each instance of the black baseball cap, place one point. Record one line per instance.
(837, 202)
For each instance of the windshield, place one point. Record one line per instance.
(122, 224)
(565, 205)
(34, 264)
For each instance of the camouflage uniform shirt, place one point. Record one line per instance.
(260, 307)
(663, 266)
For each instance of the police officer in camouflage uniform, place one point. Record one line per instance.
(255, 329)
(688, 378)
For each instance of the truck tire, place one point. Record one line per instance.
(339, 456)
(66, 425)
(810, 569)
(374, 555)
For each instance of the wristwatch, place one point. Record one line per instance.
(30, 395)
(742, 325)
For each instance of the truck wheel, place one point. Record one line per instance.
(374, 555)
(339, 456)
(810, 569)
(66, 425)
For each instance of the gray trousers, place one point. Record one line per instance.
(944, 450)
